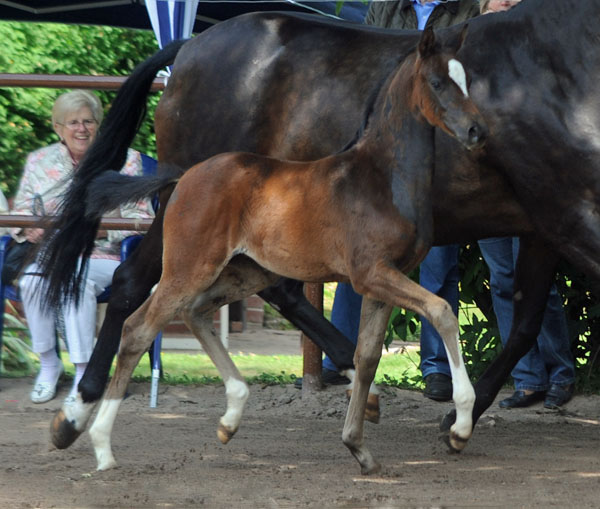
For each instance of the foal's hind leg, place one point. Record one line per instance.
(139, 331)
(131, 285)
(241, 278)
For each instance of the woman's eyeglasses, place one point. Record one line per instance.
(72, 125)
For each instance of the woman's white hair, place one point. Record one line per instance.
(73, 101)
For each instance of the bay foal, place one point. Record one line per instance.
(365, 216)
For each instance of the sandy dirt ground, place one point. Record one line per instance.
(288, 453)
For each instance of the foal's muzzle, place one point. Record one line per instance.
(476, 136)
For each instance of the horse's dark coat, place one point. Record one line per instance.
(296, 87)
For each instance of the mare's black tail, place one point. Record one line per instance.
(74, 233)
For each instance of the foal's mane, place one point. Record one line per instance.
(374, 97)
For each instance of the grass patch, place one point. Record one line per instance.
(394, 369)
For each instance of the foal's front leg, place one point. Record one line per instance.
(374, 317)
(387, 284)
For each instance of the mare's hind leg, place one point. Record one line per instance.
(288, 298)
(131, 285)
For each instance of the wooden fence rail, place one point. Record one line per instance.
(107, 223)
(67, 81)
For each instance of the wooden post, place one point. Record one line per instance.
(311, 368)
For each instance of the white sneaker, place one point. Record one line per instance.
(70, 400)
(45, 391)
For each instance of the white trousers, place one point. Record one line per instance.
(80, 321)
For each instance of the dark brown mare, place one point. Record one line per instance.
(295, 87)
(363, 216)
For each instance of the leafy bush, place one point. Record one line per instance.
(16, 356)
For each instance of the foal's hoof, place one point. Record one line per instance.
(62, 431)
(455, 443)
(372, 412)
(372, 468)
(224, 434)
(448, 420)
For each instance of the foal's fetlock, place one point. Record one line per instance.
(62, 431)
(224, 433)
(372, 410)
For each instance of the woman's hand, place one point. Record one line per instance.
(34, 235)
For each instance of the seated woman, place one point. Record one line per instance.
(76, 116)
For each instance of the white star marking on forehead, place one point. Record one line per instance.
(457, 73)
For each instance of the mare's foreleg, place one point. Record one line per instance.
(374, 317)
(131, 285)
(534, 274)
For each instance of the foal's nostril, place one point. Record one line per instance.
(476, 134)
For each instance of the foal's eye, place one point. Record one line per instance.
(435, 83)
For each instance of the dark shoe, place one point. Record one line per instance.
(520, 400)
(558, 395)
(328, 377)
(438, 387)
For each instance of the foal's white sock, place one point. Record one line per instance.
(50, 367)
(79, 370)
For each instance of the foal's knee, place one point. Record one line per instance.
(443, 318)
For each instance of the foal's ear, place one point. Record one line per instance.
(427, 43)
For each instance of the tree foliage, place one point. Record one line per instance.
(49, 48)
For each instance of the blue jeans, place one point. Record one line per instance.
(439, 274)
(345, 315)
(550, 360)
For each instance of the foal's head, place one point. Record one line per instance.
(440, 91)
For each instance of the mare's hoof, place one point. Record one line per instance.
(62, 431)
(372, 412)
(224, 434)
(448, 420)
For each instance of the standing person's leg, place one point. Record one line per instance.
(498, 255)
(438, 274)
(41, 324)
(80, 320)
(555, 350)
(529, 375)
(345, 315)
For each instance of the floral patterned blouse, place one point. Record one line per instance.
(46, 176)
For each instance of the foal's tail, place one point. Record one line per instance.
(74, 232)
(112, 189)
